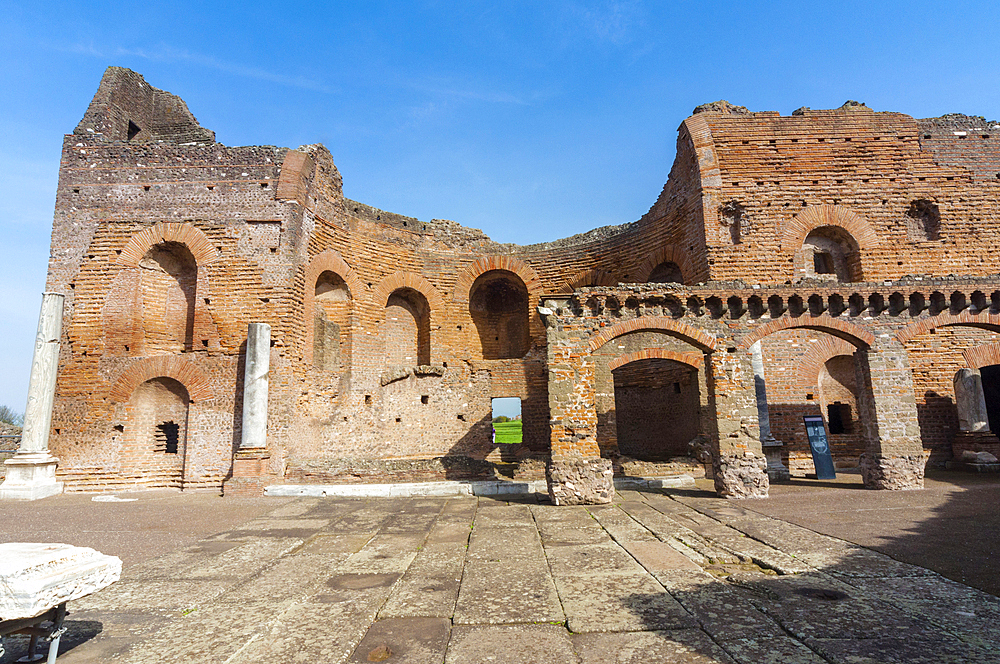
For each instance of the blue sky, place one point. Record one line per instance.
(531, 121)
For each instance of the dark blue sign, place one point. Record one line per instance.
(819, 447)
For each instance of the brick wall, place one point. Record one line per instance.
(390, 335)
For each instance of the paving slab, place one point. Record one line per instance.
(778, 649)
(722, 610)
(498, 593)
(619, 524)
(688, 646)
(619, 603)
(410, 640)
(429, 588)
(510, 644)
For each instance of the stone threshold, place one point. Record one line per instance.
(455, 488)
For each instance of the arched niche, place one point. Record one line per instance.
(331, 322)
(667, 272)
(498, 304)
(167, 292)
(406, 332)
(156, 433)
(830, 253)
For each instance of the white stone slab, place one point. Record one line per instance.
(478, 488)
(676, 481)
(36, 577)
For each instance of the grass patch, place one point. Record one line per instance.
(508, 433)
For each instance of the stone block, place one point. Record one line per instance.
(580, 481)
(893, 473)
(741, 475)
(36, 577)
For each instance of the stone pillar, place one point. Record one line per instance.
(576, 473)
(887, 409)
(776, 470)
(974, 435)
(251, 463)
(255, 377)
(739, 465)
(970, 401)
(31, 473)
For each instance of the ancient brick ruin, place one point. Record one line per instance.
(854, 251)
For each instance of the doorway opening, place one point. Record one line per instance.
(506, 415)
(991, 393)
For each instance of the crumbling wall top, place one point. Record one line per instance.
(126, 108)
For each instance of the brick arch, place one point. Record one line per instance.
(397, 280)
(694, 360)
(654, 323)
(982, 356)
(818, 354)
(816, 216)
(331, 261)
(185, 372)
(595, 277)
(849, 332)
(463, 285)
(982, 320)
(194, 239)
(667, 252)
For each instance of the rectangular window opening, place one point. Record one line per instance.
(167, 437)
(506, 416)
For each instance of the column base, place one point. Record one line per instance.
(580, 481)
(892, 473)
(741, 475)
(251, 473)
(776, 470)
(30, 476)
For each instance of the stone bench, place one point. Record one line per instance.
(36, 582)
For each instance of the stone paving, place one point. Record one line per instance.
(654, 577)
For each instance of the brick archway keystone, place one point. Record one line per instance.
(982, 356)
(656, 324)
(982, 319)
(463, 285)
(595, 277)
(397, 280)
(194, 239)
(694, 360)
(667, 252)
(853, 334)
(185, 372)
(817, 356)
(817, 216)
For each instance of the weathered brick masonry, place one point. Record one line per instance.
(858, 247)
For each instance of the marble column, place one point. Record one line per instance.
(776, 470)
(31, 473)
(252, 461)
(970, 401)
(255, 378)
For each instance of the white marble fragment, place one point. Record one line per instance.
(36, 577)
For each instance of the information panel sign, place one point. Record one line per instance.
(820, 449)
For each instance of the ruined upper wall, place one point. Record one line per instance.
(127, 108)
(969, 141)
(767, 178)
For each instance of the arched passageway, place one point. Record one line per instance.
(656, 408)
